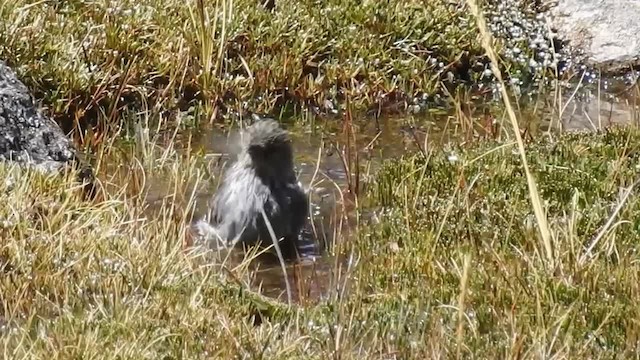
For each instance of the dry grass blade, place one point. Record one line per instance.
(608, 224)
(536, 201)
(461, 304)
(280, 257)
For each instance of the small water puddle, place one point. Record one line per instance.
(320, 163)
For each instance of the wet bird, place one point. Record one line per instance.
(260, 184)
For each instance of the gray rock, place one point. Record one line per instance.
(29, 138)
(607, 32)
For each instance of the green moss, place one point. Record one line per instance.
(436, 209)
(84, 58)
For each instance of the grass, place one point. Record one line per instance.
(89, 60)
(449, 263)
(489, 249)
(536, 202)
(478, 206)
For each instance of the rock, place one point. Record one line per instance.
(31, 139)
(607, 32)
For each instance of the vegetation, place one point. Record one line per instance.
(447, 253)
(89, 60)
(450, 261)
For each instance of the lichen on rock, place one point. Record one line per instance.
(30, 138)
